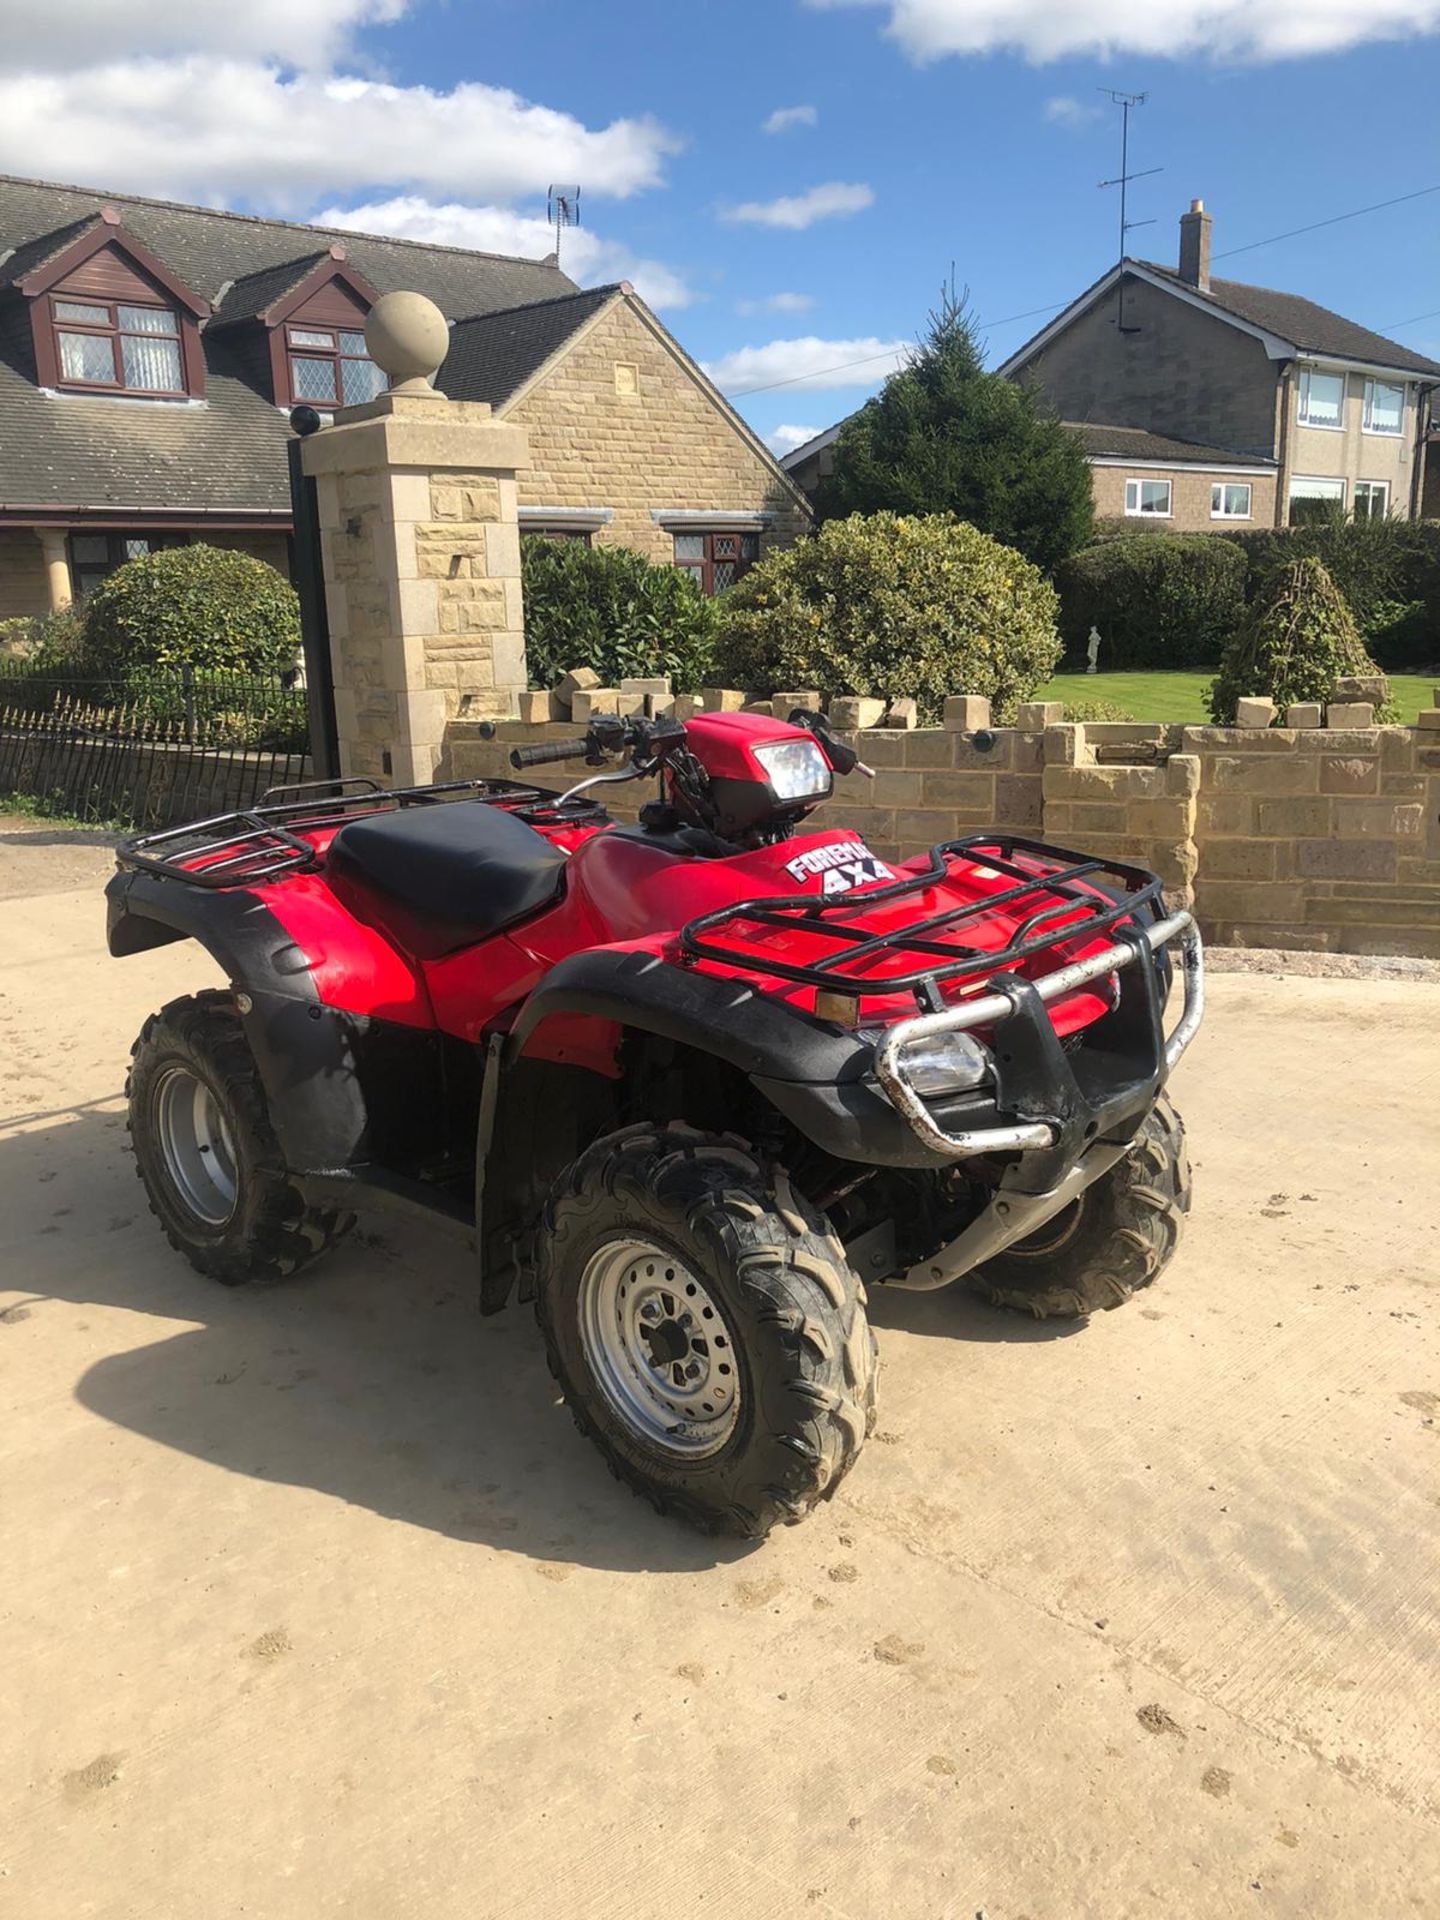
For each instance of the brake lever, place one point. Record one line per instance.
(842, 758)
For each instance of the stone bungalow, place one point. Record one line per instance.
(150, 354)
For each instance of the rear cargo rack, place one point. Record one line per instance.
(265, 841)
(1053, 888)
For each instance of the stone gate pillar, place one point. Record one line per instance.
(420, 544)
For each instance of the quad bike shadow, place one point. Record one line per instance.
(372, 1379)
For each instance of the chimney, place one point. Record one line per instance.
(1195, 246)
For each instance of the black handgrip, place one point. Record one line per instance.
(541, 756)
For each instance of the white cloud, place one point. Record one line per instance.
(1064, 110)
(784, 440)
(799, 210)
(783, 119)
(223, 129)
(1220, 29)
(777, 303)
(57, 34)
(585, 255)
(808, 362)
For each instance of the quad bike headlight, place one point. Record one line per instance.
(948, 1063)
(796, 769)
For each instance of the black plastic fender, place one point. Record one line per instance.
(306, 1052)
(816, 1074)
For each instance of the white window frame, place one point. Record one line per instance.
(1324, 480)
(1222, 487)
(1385, 433)
(1140, 512)
(1307, 374)
(1383, 487)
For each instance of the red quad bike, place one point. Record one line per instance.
(688, 1084)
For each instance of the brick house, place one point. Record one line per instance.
(150, 354)
(1331, 411)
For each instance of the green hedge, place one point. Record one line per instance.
(887, 604)
(1156, 599)
(609, 609)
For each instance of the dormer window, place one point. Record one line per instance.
(118, 347)
(108, 316)
(329, 366)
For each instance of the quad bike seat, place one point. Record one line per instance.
(447, 876)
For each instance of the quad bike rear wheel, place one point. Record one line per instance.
(1107, 1244)
(206, 1151)
(705, 1327)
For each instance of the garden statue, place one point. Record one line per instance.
(1092, 651)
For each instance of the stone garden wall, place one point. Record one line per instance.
(1311, 836)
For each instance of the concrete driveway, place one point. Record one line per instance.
(314, 1603)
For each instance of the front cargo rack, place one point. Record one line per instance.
(263, 842)
(1053, 889)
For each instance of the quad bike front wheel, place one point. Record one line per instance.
(705, 1328)
(206, 1151)
(1115, 1238)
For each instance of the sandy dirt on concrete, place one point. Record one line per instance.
(314, 1604)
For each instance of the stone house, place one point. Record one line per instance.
(1206, 404)
(150, 354)
(1334, 413)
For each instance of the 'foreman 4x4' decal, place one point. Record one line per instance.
(842, 865)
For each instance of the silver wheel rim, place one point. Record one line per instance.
(197, 1146)
(659, 1348)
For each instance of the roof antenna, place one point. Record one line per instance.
(1125, 101)
(562, 209)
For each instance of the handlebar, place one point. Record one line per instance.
(549, 751)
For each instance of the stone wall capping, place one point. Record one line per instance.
(1304, 715)
(903, 713)
(1350, 713)
(1255, 712)
(589, 701)
(1033, 716)
(578, 680)
(1429, 718)
(966, 712)
(856, 710)
(721, 700)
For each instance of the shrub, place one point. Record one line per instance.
(47, 642)
(1157, 599)
(887, 606)
(193, 606)
(945, 436)
(1295, 644)
(1096, 710)
(609, 609)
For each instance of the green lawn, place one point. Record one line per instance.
(1180, 697)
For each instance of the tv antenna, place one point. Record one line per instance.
(562, 209)
(1125, 102)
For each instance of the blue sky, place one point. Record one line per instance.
(787, 180)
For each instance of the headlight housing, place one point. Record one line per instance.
(796, 769)
(947, 1063)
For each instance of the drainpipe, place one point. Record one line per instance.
(1422, 441)
(1282, 478)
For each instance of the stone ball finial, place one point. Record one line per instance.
(408, 339)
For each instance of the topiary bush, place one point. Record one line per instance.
(1296, 643)
(889, 605)
(204, 607)
(609, 609)
(1157, 599)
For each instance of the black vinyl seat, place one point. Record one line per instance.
(457, 871)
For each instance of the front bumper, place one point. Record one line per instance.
(1063, 1102)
